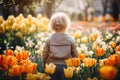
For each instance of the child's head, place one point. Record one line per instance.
(59, 22)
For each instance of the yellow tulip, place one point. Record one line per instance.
(2, 28)
(40, 76)
(32, 29)
(30, 77)
(69, 62)
(1, 20)
(39, 16)
(50, 69)
(95, 78)
(21, 17)
(45, 20)
(77, 35)
(15, 27)
(68, 72)
(11, 20)
(19, 34)
(23, 28)
(84, 40)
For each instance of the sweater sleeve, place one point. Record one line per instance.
(74, 51)
(45, 52)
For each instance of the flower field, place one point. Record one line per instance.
(22, 39)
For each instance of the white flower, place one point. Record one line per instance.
(109, 36)
(89, 53)
(78, 40)
(77, 70)
(117, 39)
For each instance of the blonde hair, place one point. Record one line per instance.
(59, 21)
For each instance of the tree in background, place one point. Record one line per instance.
(15, 7)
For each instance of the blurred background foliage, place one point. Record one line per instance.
(15, 7)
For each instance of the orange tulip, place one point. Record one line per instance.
(11, 61)
(118, 48)
(75, 61)
(100, 51)
(93, 36)
(9, 52)
(2, 59)
(112, 44)
(16, 70)
(108, 72)
(114, 59)
(106, 62)
(19, 56)
(30, 68)
(89, 62)
(50, 68)
(23, 62)
(25, 54)
(82, 56)
(8, 60)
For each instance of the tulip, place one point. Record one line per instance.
(106, 61)
(1, 20)
(30, 68)
(114, 59)
(9, 52)
(21, 17)
(2, 28)
(45, 20)
(75, 61)
(69, 62)
(100, 51)
(11, 61)
(25, 54)
(39, 16)
(19, 56)
(89, 62)
(82, 56)
(112, 44)
(93, 36)
(30, 77)
(23, 28)
(19, 34)
(68, 72)
(2, 60)
(15, 27)
(77, 35)
(108, 72)
(118, 48)
(50, 69)
(84, 40)
(17, 70)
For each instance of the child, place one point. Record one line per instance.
(59, 46)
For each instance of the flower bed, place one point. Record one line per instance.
(22, 39)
